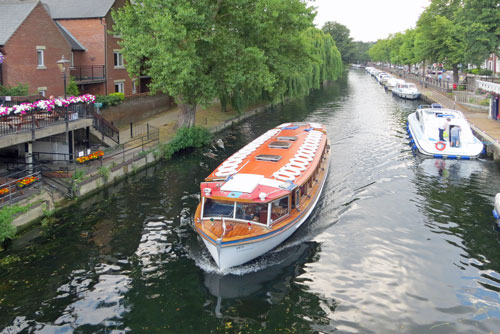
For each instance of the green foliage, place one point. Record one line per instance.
(104, 172)
(112, 99)
(19, 90)
(235, 50)
(341, 35)
(484, 102)
(480, 27)
(7, 230)
(78, 175)
(186, 138)
(72, 88)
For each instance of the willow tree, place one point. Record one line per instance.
(197, 51)
(326, 64)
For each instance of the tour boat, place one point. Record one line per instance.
(263, 193)
(423, 128)
(406, 90)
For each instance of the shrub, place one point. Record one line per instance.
(195, 136)
(485, 102)
(7, 230)
(104, 172)
(19, 90)
(112, 99)
(72, 88)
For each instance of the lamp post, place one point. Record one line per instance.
(62, 64)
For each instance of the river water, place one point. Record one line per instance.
(397, 244)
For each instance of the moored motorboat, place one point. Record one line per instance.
(392, 83)
(261, 194)
(424, 130)
(406, 90)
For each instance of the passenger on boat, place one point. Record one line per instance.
(455, 135)
(443, 127)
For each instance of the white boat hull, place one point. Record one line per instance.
(429, 146)
(230, 256)
(404, 95)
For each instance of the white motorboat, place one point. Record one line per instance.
(392, 82)
(406, 90)
(423, 128)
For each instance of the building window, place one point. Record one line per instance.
(72, 64)
(119, 87)
(42, 90)
(118, 59)
(134, 86)
(40, 54)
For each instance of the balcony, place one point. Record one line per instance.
(88, 74)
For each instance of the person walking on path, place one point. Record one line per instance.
(455, 136)
(442, 128)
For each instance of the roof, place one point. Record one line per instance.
(12, 15)
(78, 9)
(245, 175)
(75, 44)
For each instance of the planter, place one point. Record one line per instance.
(92, 156)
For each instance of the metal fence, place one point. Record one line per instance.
(19, 185)
(39, 119)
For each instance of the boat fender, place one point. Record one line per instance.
(225, 173)
(414, 147)
(440, 146)
(283, 176)
(299, 160)
(308, 157)
(495, 214)
(300, 167)
(290, 169)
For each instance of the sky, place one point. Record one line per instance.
(370, 20)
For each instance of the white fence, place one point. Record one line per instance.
(488, 86)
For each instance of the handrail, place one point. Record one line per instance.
(106, 128)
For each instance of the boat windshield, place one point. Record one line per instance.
(279, 208)
(214, 208)
(256, 212)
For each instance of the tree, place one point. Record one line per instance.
(480, 23)
(342, 38)
(439, 38)
(407, 53)
(197, 51)
(360, 52)
(380, 52)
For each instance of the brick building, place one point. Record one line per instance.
(31, 44)
(34, 34)
(99, 68)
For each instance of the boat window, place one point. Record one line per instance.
(280, 144)
(214, 208)
(288, 138)
(279, 208)
(256, 212)
(268, 157)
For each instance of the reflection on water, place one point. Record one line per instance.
(397, 243)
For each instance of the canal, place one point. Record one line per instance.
(397, 244)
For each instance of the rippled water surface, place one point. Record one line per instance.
(397, 244)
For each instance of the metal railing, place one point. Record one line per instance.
(88, 72)
(13, 187)
(106, 128)
(40, 119)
